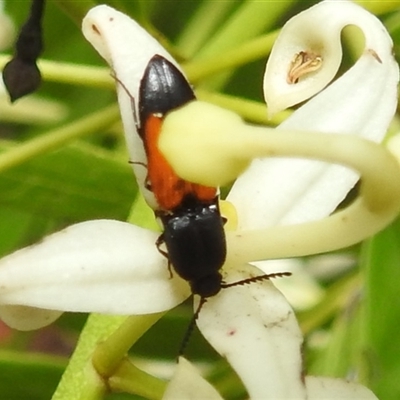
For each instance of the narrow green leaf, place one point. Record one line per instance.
(382, 263)
(29, 376)
(76, 183)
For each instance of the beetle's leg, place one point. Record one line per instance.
(159, 242)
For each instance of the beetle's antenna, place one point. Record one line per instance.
(203, 301)
(191, 326)
(255, 279)
(133, 102)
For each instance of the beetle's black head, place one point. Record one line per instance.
(162, 88)
(207, 286)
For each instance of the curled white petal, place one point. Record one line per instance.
(316, 31)
(100, 266)
(127, 48)
(187, 383)
(254, 327)
(361, 102)
(26, 318)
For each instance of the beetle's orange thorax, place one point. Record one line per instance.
(169, 190)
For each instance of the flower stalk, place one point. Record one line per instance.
(227, 146)
(108, 354)
(58, 137)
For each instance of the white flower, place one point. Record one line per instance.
(114, 267)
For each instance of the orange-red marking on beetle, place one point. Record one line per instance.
(169, 190)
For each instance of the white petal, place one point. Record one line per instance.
(128, 48)
(188, 384)
(101, 266)
(254, 327)
(27, 318)
(336, 389)
(361, 102)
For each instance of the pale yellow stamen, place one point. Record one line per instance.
(228, 211)
(393, 145)
(208, 150)
(303, 63)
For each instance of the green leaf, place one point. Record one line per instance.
(75, 9)
(76, 183)
(382, 263)
(20, 228)
(29, 376)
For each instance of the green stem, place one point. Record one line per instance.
(344, 340)
(109, 354)
(80, 380)
(206, 19)
(334, 300)
(100, 77)
(251, 18)
(75, 74)
(250, 51)
(248, 109)
(70, 73)
(84, 75)
(58, 137)
(130, 379)
(100, 352)
(76, 10)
